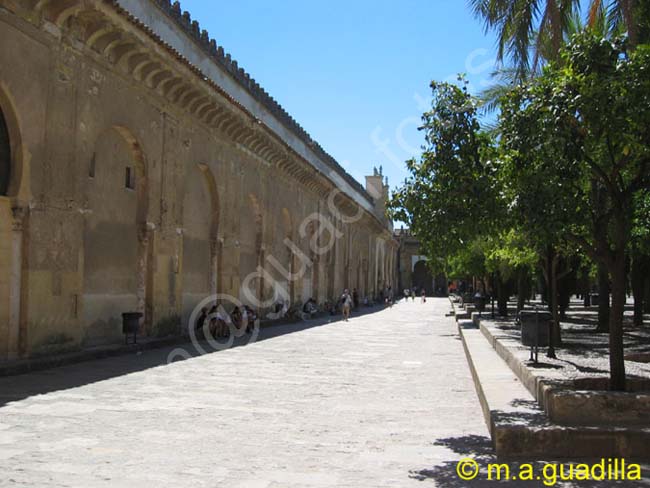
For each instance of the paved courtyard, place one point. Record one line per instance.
(385, 400)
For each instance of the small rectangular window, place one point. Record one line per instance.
(91, 168)
(130, 178)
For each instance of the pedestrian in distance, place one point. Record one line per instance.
(346, 304)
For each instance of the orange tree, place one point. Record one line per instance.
(451, 197)
(577, 143)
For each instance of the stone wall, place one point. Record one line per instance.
(413, 268)
(138, 183)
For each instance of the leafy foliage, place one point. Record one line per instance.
(452, 194)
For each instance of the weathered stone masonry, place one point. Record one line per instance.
(142, 169)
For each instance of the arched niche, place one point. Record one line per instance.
(5, 156)
(11, 148)
(13, 221)
(116, 236)
(201, 248)
(422, 277)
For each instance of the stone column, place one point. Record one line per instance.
(145, 232)
(15, 281)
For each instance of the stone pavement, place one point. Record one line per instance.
(385, 400)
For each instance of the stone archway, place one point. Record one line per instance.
(5, 156)
(422, 277)
(14, 217)
(200, 263)
(116, 236)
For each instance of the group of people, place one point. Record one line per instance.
(219, 322)
(412, 293)
(243, 318)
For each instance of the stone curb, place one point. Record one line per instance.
(549, 440)
(538, 387)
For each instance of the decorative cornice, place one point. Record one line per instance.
(94, 25)
(223, 59)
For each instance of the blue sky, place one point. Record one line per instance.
(355, 74)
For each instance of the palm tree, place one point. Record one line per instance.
(523, 26)
(529, 31)
(621, 15)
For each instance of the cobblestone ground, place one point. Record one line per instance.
(384, 400)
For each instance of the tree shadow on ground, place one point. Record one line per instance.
(584, 369)
(542, 365)
(480, 448)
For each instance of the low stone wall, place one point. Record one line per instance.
(581, 407)
(582, 401)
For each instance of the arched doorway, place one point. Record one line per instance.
(12, 219)
(422, 278)
(200, 244)
(5, 156)
(115, 236)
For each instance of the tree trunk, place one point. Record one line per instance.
(564, 300)
(603, 298)
(502, 297)
(522, 288)
(586, 288)
(551, 274)
(556, 339)
(616, 350)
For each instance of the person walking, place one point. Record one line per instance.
(424, 296)
(346, 304)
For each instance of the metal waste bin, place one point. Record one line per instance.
(479, 302)
(535, 330)
(131, 325)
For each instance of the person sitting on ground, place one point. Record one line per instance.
(280, 309)
(310, 307)
(245, 319)
(236, 317)
(331, 308)
(200, 321)
(223, 323)
(249, 318)
(212, 325)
